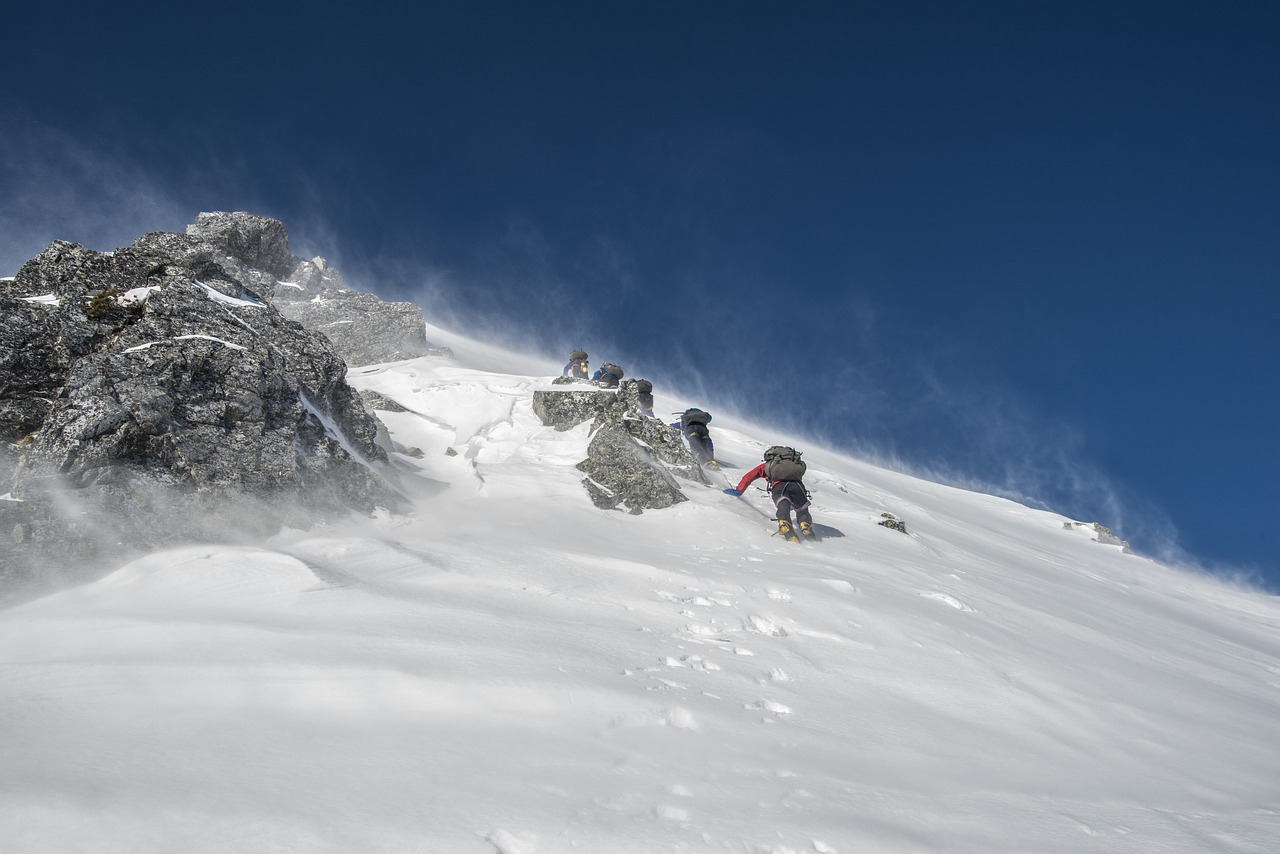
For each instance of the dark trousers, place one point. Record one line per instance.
(790, 495)
(699, 442)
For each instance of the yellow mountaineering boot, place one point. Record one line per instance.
(806, 531)
(788, 533)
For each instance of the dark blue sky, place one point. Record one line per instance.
(1032, 247)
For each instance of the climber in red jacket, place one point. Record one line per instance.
(783, 469)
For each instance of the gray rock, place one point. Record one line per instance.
(364, 329)
(666, 445)
(258, 242)
(254, 251)
(566, 409)
(893, 523)
(377, 401)
(1108, 538)
(1104, 535)
(631, 460)
(151, 396)
(623, 472)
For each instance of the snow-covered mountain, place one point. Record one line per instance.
(510, 669)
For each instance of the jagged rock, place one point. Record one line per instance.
(621, 471)
(666, 445)
(260, 243)
(1104, 535)
(565, 410)
(1108, 538)
(893, 523)
(144, 388)
(631, 459)
(377, 401)
(364, 329)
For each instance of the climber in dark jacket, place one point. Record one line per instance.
(693, 425)
(608, 376)
(577, 367)
(644, 398)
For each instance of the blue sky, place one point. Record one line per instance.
(1027, 247)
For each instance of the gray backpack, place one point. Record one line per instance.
(694, 416)
(783, 463)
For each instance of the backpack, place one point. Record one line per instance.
(695, 416)
(644, 387)
(783, 463)
(578, 356)
(610, 368)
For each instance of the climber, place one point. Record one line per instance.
(783, 469)
(644, 398)
(608, 376)
(577, 367)
(693, 425)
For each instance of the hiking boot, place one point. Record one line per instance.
(788, 533)
(806, 530)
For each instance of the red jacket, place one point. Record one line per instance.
(752, 475)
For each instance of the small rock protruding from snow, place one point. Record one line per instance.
(893, 523)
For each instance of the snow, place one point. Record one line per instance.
(136, 295)
(45, 299)
(150, 344)
(219, 297)
(511, 669)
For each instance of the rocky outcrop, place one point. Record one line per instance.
(142, 390)
(632, 462)
(893, 523)
(1104, 535)
(572, 404)
(363, 328)
(622, 472)
(254, 250)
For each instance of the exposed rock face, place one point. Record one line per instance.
(144, 387)
(364, 329)
(1104, 535)
(578, 403)
(631, 460)
(258, 243)
(623, 472)
(893, 523)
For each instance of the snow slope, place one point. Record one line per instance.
(512, 670)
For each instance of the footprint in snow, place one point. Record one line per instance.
(666, 684)
(693, 662)
(675, 717)
(768, 706)
(764, 626)
(511, 843)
